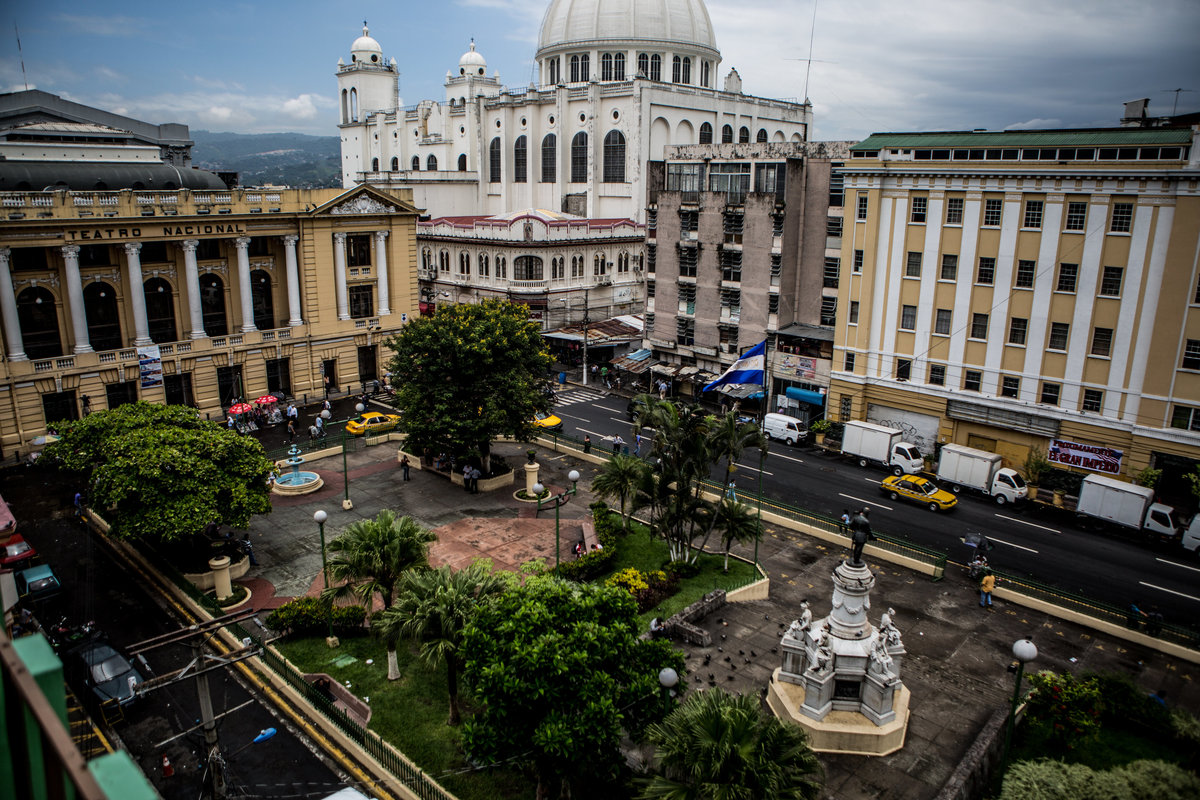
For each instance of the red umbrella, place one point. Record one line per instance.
(240, 408)
(266, 399)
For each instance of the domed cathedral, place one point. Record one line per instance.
(618, 81)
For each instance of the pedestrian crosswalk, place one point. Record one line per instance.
(579, 395)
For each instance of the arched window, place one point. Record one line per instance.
(599, 266)
(579, 158)
(619, 67)
(704, 73)
(643, 65)
(462, 162)
(527, 268)
(585, 70)
(212, 305)
(761, 136)
(160, 310)
(443, 261)
(656, 67)
(374, 165)
(520, 159)
(395, 165)
(614, 157)
(38, 318)
(606, 67)
(483, 265)
(464, 263)
(743, 135)
(262, 300)
(501, 267)
(427, 259)
(574, 69)
(416, 164)
(549, 159)
(687, 70)
(354, 105)
(675, 69)
(494, 160)
(726, 134)
(345, 106)
(431, 163)
(552, 68)
(706, 133)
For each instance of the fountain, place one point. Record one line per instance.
(297, 482)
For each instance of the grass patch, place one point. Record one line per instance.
(639, 550)
(410, 713)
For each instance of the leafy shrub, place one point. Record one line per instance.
(1065, 708)
(1186, 728)
(630, 579)
(306, 615)
(680, 570)
(648, 588)
(1126, 703)
(1054, 780)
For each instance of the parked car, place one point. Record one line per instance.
(17, 553)
(107, 674)
(919, 490)
(37, 583)
(372, 422)
(548, 422)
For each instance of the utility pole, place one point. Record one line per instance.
(585, 336)
(212, 747)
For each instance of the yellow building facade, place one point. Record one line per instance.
(1026, 289)
(196, 297)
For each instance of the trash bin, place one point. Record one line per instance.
(562, 379)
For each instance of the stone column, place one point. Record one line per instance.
(339, 274)
(191, 279)
(243, 261)
(222, 585)
(381, 276)
(137, 294)
(293, 280)
(70, 253)
(531, 476)
(8, 310)
(851, 600)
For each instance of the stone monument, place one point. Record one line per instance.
(840, 677)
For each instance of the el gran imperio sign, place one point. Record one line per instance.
(199, 229)
(1085, 456)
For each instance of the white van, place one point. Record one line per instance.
(784, 428)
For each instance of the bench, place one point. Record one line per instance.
(341, 698)
(589, 534)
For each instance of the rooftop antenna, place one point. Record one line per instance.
(1174, 108)
(810, 59)
(24, 77)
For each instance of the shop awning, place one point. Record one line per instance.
(636, 362)
(805, 396)
(742, 391)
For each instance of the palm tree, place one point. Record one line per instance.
(737, 523)
(680, 458)
(717, 745)
(369, 557)
(433, 608)
(728, 439)
(620, 478)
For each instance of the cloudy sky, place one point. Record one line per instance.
(876, 65)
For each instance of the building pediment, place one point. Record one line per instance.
(364, 201)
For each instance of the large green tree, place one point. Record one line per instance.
(619, 479)
(718, 746)
(433, 608)
(369, 557)
(468, 374)
(160, 472)
(559, 671)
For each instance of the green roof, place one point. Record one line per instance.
(1083, 137)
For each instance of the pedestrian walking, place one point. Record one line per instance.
(291, 431)
(731, 491)
(312, 435)
(587, 443)
(79, 505)
(844, 523)
(985, 589)
(466, 473)
(327, 406)
(617, 442)
(476, 474)
(405, 465)
(248, 549)
(320, 423)
(860, 534)
(326, 386)
(292, 413)
(637, 444)
(662, 390)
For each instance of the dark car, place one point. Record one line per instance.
(17, 553)
(108, 675)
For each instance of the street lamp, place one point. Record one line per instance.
(319, 517)
(559, 500)
(1024, 651)
(346, 502)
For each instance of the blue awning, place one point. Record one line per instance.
(805, 396)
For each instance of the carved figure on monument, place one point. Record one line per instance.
(881, 662)
(799, 626)
(822, 662)
(888, 629)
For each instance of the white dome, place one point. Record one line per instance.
(365, 49)
(472, 62)
(677, 24)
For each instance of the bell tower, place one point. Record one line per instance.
(368, 87)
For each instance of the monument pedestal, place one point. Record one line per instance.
(841, 731)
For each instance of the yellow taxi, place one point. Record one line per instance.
(372, 422)
(547, 422)
(919, 490)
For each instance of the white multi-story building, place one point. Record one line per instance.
(618, 81)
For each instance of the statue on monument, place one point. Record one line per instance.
(799, 626)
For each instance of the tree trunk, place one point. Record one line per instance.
(452, 687)
(485, 458)
(727, 558)
(393, 662)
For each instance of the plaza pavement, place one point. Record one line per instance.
(957, 652)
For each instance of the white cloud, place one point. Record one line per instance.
(1032, 124)
(302, 107)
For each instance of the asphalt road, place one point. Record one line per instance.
(98, 588)
(1036, 542)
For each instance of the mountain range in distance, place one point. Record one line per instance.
(279, 159)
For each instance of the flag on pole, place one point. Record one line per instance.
(749, 369)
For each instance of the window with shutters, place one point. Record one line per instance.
(949, 267)
(828, 310)
(1010, 386)
(549, 159)
(972, 380)
(987, 271)
(1026, 271)
(1076, 216)
(993, 211)
(1059, 336)
(1110, 281)
(1018, 327)
(1050, 393)
(1067, 275)
(520, 159)
(687, 262)
(942, 321)
(912, 269)
(579, 158)
(937, 374)
(833, 268)
(979, 326)
(954, 211)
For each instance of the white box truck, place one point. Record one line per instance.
(1127, 505)
(878, 444)
(961, 467)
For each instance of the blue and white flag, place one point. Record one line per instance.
(749, 369)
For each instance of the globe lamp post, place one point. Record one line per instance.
(1024, 651)
(320, 517)
(558, 500)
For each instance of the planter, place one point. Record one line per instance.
(1033, 491)
(1058, 499)
(486, 484)
(819, 438)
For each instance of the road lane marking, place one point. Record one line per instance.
(788, 458)
(1168, 591)
(868, 502)
(1174, 564)
(1030, 524)
(1010, 544)
(756, 469)
(572, 416)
